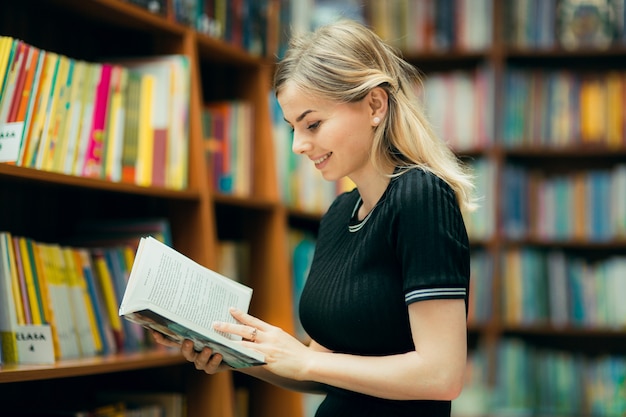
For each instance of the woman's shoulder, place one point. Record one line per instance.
(419, 182)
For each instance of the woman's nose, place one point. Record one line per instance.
(299, 145)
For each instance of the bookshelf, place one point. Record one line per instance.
(48, 206)
(548, 258)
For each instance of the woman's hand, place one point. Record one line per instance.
(205, 360)
(285, 355)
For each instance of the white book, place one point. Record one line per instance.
(172, 294)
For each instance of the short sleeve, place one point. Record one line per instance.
(431, 238)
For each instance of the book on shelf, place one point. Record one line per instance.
(119, 121)
(22, 340)
(73, 289)
(9, 304)
(163, 141)
(171, 294)
(228, 137)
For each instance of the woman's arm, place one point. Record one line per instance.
(434, 370)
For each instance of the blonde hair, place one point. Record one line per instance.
(344, 61)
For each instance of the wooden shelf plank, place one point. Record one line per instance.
(90, 366)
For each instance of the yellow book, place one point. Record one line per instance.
(129, 256)
(46, 267)
(8, 309)
(80, 313)
(114, 137)
(592, 110)
(90, 306)
(42, 277)
(34, 296)
(54, 116)
(77, 149)
(42, 97)
(143, 172)
(17, 55)
(15, 283)
(579, 215)
(105, 280)
(5, 48)
(614, 107)
(68, 129)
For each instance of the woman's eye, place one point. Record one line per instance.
(313, 126)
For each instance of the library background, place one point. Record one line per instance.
(125, 118)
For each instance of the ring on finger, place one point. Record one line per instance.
(253, 335)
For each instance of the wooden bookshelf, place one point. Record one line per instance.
(46, 206)
(500, 56)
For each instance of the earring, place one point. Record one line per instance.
(376, 120)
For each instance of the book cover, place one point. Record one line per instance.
(153, 146)
(42, 99)
(64, 136)
(93, 158)
(28, 106)
(116, 262)
(80, 307)
(8, 308)
(170, 293)
(114, 139)
(48, 140)
(58, 302)
(32, 66)
(76, 158)
(104, 337)
(22, 71)
(6, 43)
(104, 280)
(31, 279)
(14, 70)
(131, 128)
(58, 126)
(143, 163)
(21, 278)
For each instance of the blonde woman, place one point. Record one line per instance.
(386, 299)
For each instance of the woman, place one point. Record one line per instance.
(386, 299)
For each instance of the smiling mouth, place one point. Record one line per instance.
(322, 159)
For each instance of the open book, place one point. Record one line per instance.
(181, 299)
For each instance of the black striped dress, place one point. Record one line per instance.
(412, 246)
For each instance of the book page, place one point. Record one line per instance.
(163, 277)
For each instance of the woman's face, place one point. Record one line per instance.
(336, 137)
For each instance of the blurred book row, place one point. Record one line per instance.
(260, 27)
(585, 205)
(556, 108)
(548, 288)
(123, 120)
(536, 380)
(75, 288)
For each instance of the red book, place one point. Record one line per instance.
(93, 158)
(19, 82)
(29, 83)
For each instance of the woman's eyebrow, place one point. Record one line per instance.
(299, 118)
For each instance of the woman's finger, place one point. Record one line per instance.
(244, 330)
(164, 340)
(246, 318)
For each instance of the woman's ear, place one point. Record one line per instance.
(378, 100)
